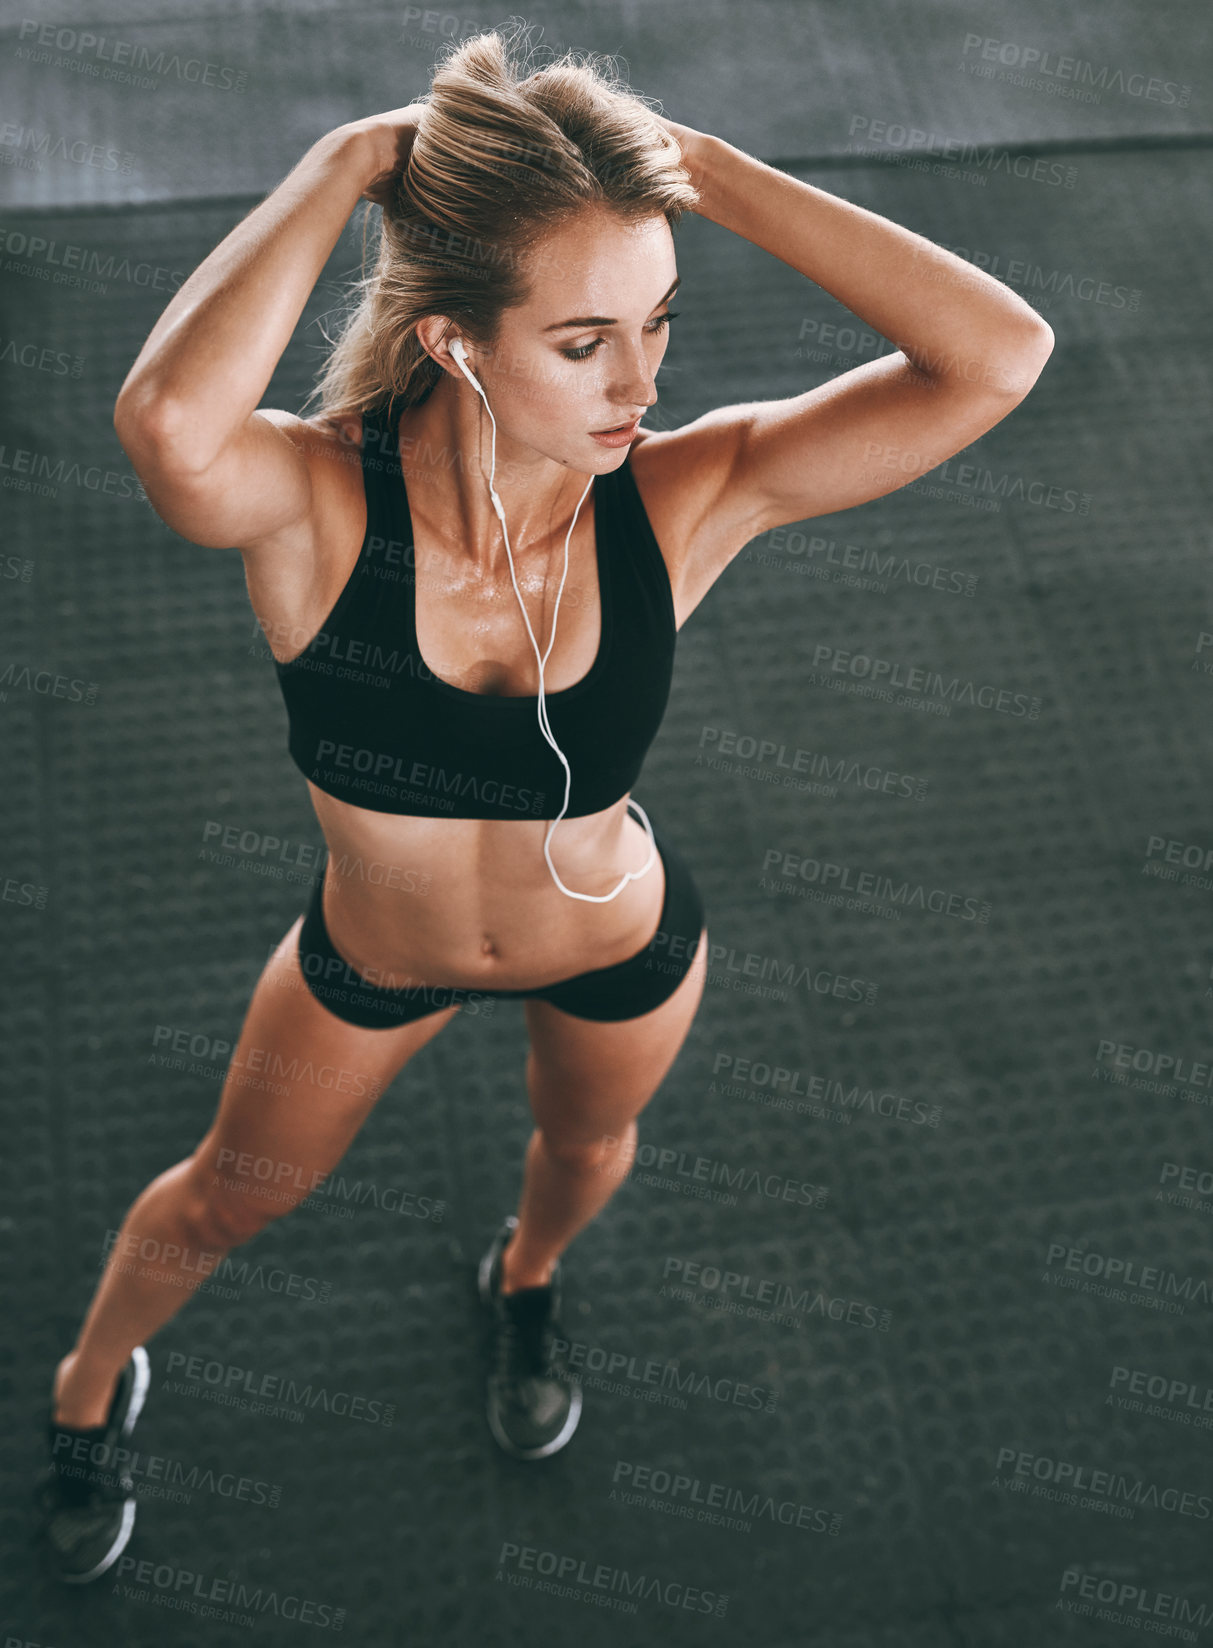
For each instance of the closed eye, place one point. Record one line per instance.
(588, 349)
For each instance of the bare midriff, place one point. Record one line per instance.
(471, 902)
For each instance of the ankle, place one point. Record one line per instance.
(79, 1408)
(514, 1277)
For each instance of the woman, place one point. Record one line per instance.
(406, 548)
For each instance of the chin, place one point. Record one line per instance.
(597, 460)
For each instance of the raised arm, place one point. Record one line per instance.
(968, 349)
(216, 469)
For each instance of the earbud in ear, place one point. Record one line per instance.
(459, 355)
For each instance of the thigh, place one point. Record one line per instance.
(300, 1084)
(588, 1079)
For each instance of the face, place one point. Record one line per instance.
(581, 354)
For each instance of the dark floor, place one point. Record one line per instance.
(970, 1427)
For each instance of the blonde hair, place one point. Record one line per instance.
(498, 159)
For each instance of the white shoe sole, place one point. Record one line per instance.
(127, 1525)
(558, 1441)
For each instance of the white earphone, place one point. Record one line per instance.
(459, 354)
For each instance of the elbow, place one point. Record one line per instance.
(135, 416)
(1003, 373)
(1019, 370)
(148, 426)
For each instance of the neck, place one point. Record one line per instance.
(451, 436)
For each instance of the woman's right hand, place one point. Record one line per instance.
(392, 137)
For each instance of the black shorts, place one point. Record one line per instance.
(625, 990)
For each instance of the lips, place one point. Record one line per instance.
(617, 428)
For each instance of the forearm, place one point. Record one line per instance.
(949, 318)
(208, 360)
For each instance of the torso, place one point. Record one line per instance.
(465, 901)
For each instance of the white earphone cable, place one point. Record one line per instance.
(457, 352)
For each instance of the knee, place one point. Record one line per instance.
(224, 1210)
(604, 1152)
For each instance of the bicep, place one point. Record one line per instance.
(258, 485)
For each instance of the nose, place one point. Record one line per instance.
(635, 386)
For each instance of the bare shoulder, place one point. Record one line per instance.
(324, 450)
(687, 480)
(328, 442)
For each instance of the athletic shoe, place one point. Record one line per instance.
(534, 1402)
(85, 1496)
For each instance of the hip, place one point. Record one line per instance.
(613, 990)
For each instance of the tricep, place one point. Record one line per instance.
(257, 486)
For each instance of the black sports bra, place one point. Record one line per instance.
(371, 724)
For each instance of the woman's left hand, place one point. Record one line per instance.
(689, 141)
